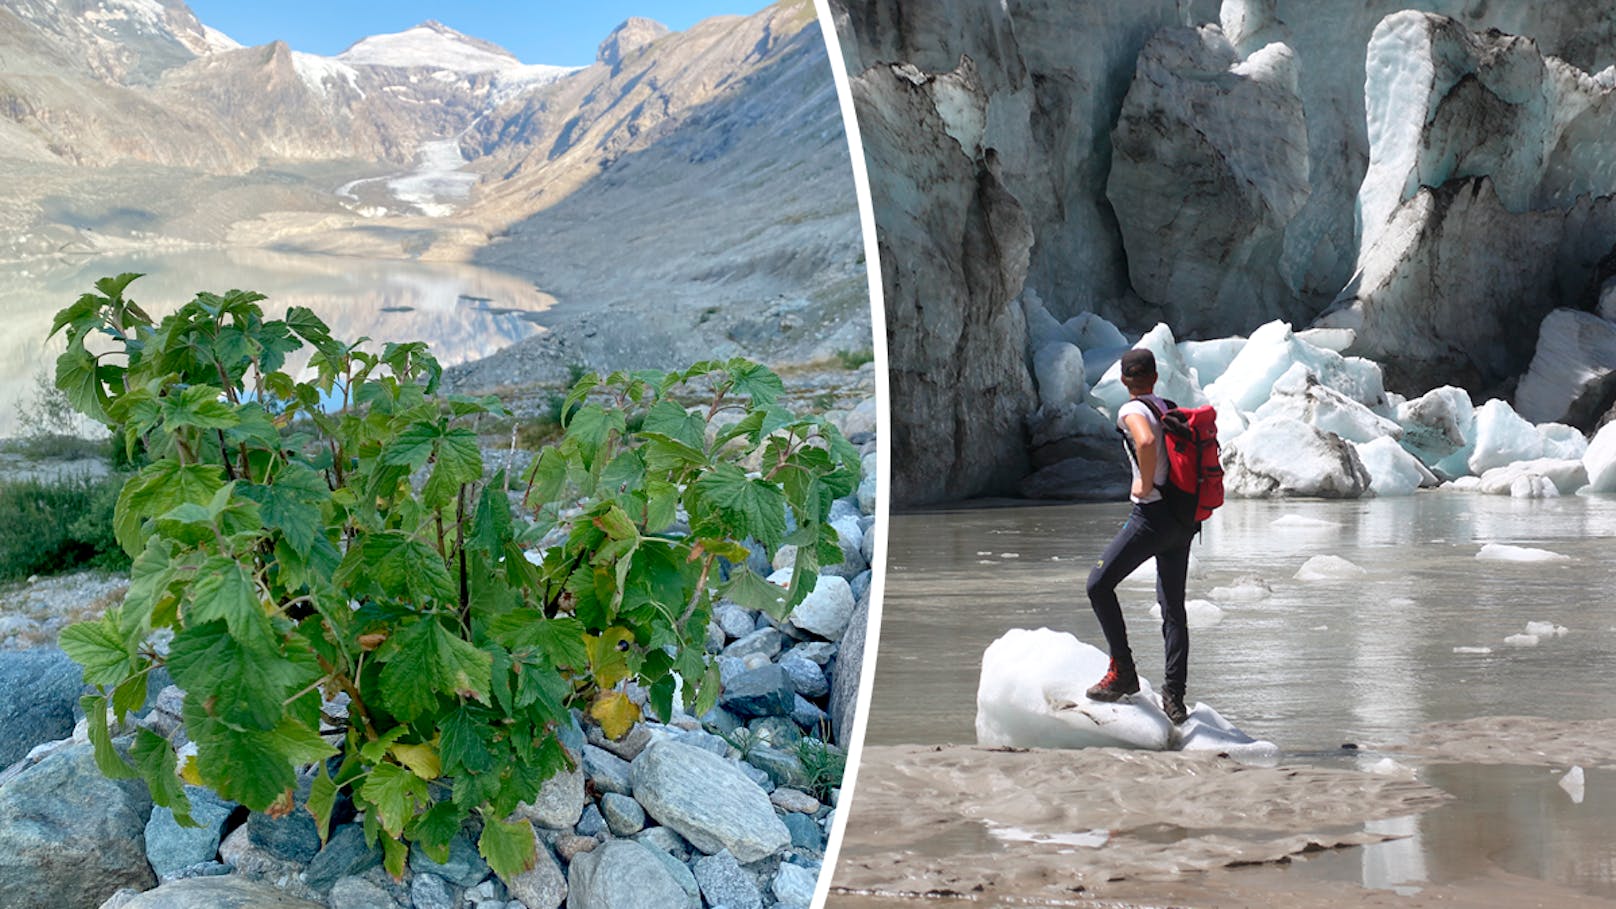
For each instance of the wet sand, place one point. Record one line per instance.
(938, 825)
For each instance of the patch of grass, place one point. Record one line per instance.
(48, 527)
(853, 359)
(822, 767)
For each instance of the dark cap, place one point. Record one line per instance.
(1138, 362)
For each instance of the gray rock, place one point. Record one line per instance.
(200, 869)
(623, 874)
(465, 867)
(608, 771)
(428, 891)
(624, 816)
(809, 716)
(783, 768)
(543, 886)
(765, 691)
(844, 507)
(123, 897)
(570, 845)
(680, 872)
(724, 883)
(664, 840)
(592, 822)
(170, 847)
(292, 837)
(807, 679)
(706, 741)
(806, 834)
(736, 620)
(559, 803)
(729, 668)
(764, 781)
(720, 721)
(845, 682)
(572, 736)
(793, 885)
(359, 893)
(715, 639)
(765, 641)
(165, 717)
(628, 747)
(345, 855)
(818, 652)
(867, 546)
(41, 688)
(251, 860)
(61, 818)
(866, 495)
(707, 801)
(826, 610)
(230, 892)
(794, 800)
(775, 732)
(860, 586)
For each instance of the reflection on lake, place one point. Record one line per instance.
(464, 312)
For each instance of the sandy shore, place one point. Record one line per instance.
(1104, 827)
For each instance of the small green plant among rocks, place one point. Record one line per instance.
(347, 589)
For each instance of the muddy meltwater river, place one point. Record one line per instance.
(1417, 639)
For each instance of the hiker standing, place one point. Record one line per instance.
(1154, 529)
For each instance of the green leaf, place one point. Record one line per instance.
(308, 326)
(413, 447)
(435, 828)
(756, 380)
(198, 406)
(458, 461)
(154, 758)
(547, 476)
(397, 795)
(112, 764)
(224, 590)
(76, 376)
(158, 489)
(491, 523)
(751, 507)
(322, 798)
(291, 504)
(423, 661)
(661, 697)
(746, 588)
(246, 681)
(662, 504)
(394, 564)
(591, 427)
(129, 696)
(669, 419)
(464, 745)
(101, 648)
(508, 847)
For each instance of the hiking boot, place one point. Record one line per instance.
(1118, 682)
(1173, 706)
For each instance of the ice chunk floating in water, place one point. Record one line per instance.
(1328, 568)
(1503, 552)
(1031, 695)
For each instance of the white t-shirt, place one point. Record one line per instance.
(1139, 407)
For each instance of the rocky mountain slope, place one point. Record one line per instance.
(712, 160)
(1215, 167)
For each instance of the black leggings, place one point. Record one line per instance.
(1151, 531)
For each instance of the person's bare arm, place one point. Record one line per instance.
(1144, 447)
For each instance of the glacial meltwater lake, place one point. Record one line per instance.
(1418, 638)
(462, 311)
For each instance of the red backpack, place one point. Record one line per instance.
(1193, 467)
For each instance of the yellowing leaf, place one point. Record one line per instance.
(422, 759)
(608, 661)
(616, 713)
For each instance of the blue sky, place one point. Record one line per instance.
(559, 32)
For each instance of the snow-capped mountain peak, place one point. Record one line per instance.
(430, 45)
